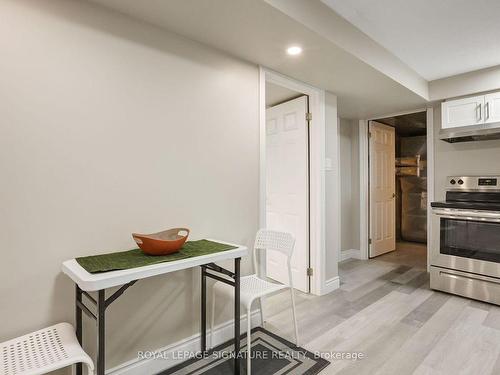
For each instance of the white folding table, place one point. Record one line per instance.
(87, 282)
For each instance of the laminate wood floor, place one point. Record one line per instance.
(385, 310)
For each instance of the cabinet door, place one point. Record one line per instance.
(462, 112)
(492, 107)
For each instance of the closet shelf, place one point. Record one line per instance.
(409, 166)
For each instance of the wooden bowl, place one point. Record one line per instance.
(162, 243)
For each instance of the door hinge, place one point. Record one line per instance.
(369, 241)
(309, 116)
(369, 134)
(309, 271)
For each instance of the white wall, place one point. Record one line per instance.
(349, 177)
(347, 196)
(455, 159)
(355, 184)
(110, 126)
(465, 84)
(332, 187)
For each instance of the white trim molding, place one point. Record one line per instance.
(364, 190)
(262, 148)
(169, 356)
(430, 180)
(317, 170)
(350, 254)
(331, 285)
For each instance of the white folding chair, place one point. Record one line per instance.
(43, 351)
(254, 286)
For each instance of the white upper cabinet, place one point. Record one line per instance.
(492, 107)
(465, 112)
(475, 110)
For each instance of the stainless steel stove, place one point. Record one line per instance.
(465, 250)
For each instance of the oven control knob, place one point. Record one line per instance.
(453, 182)
(460, 182)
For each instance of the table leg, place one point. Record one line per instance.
(237, 315)
(203, 310)
(101, 337)
(78, 322)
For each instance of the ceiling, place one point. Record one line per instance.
(255, 31)
(436, 38)
(278, 94)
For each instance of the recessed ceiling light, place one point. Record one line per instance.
(294, 50)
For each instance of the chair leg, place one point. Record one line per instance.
(262, 317)
(249, 340)
(294, 317)
(212, 320)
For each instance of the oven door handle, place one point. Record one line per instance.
(487, 216)
(468, 276)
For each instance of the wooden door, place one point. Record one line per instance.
(382, 189)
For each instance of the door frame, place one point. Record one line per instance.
(364, 179)
(317, 244)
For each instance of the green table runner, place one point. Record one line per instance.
(124, 260)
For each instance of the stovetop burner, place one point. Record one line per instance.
(472, 193)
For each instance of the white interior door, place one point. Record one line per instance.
(287, 187)
(382, 189)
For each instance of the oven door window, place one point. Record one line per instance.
(470, 239)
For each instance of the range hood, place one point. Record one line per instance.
(481, 132)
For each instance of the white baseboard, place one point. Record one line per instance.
(351, 253)
(331, 285)
(222, 333)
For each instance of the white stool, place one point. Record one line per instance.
(253, 286)
(43, 351)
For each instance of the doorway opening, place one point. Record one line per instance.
(398, 186)
(311, 261)
(287, 190)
